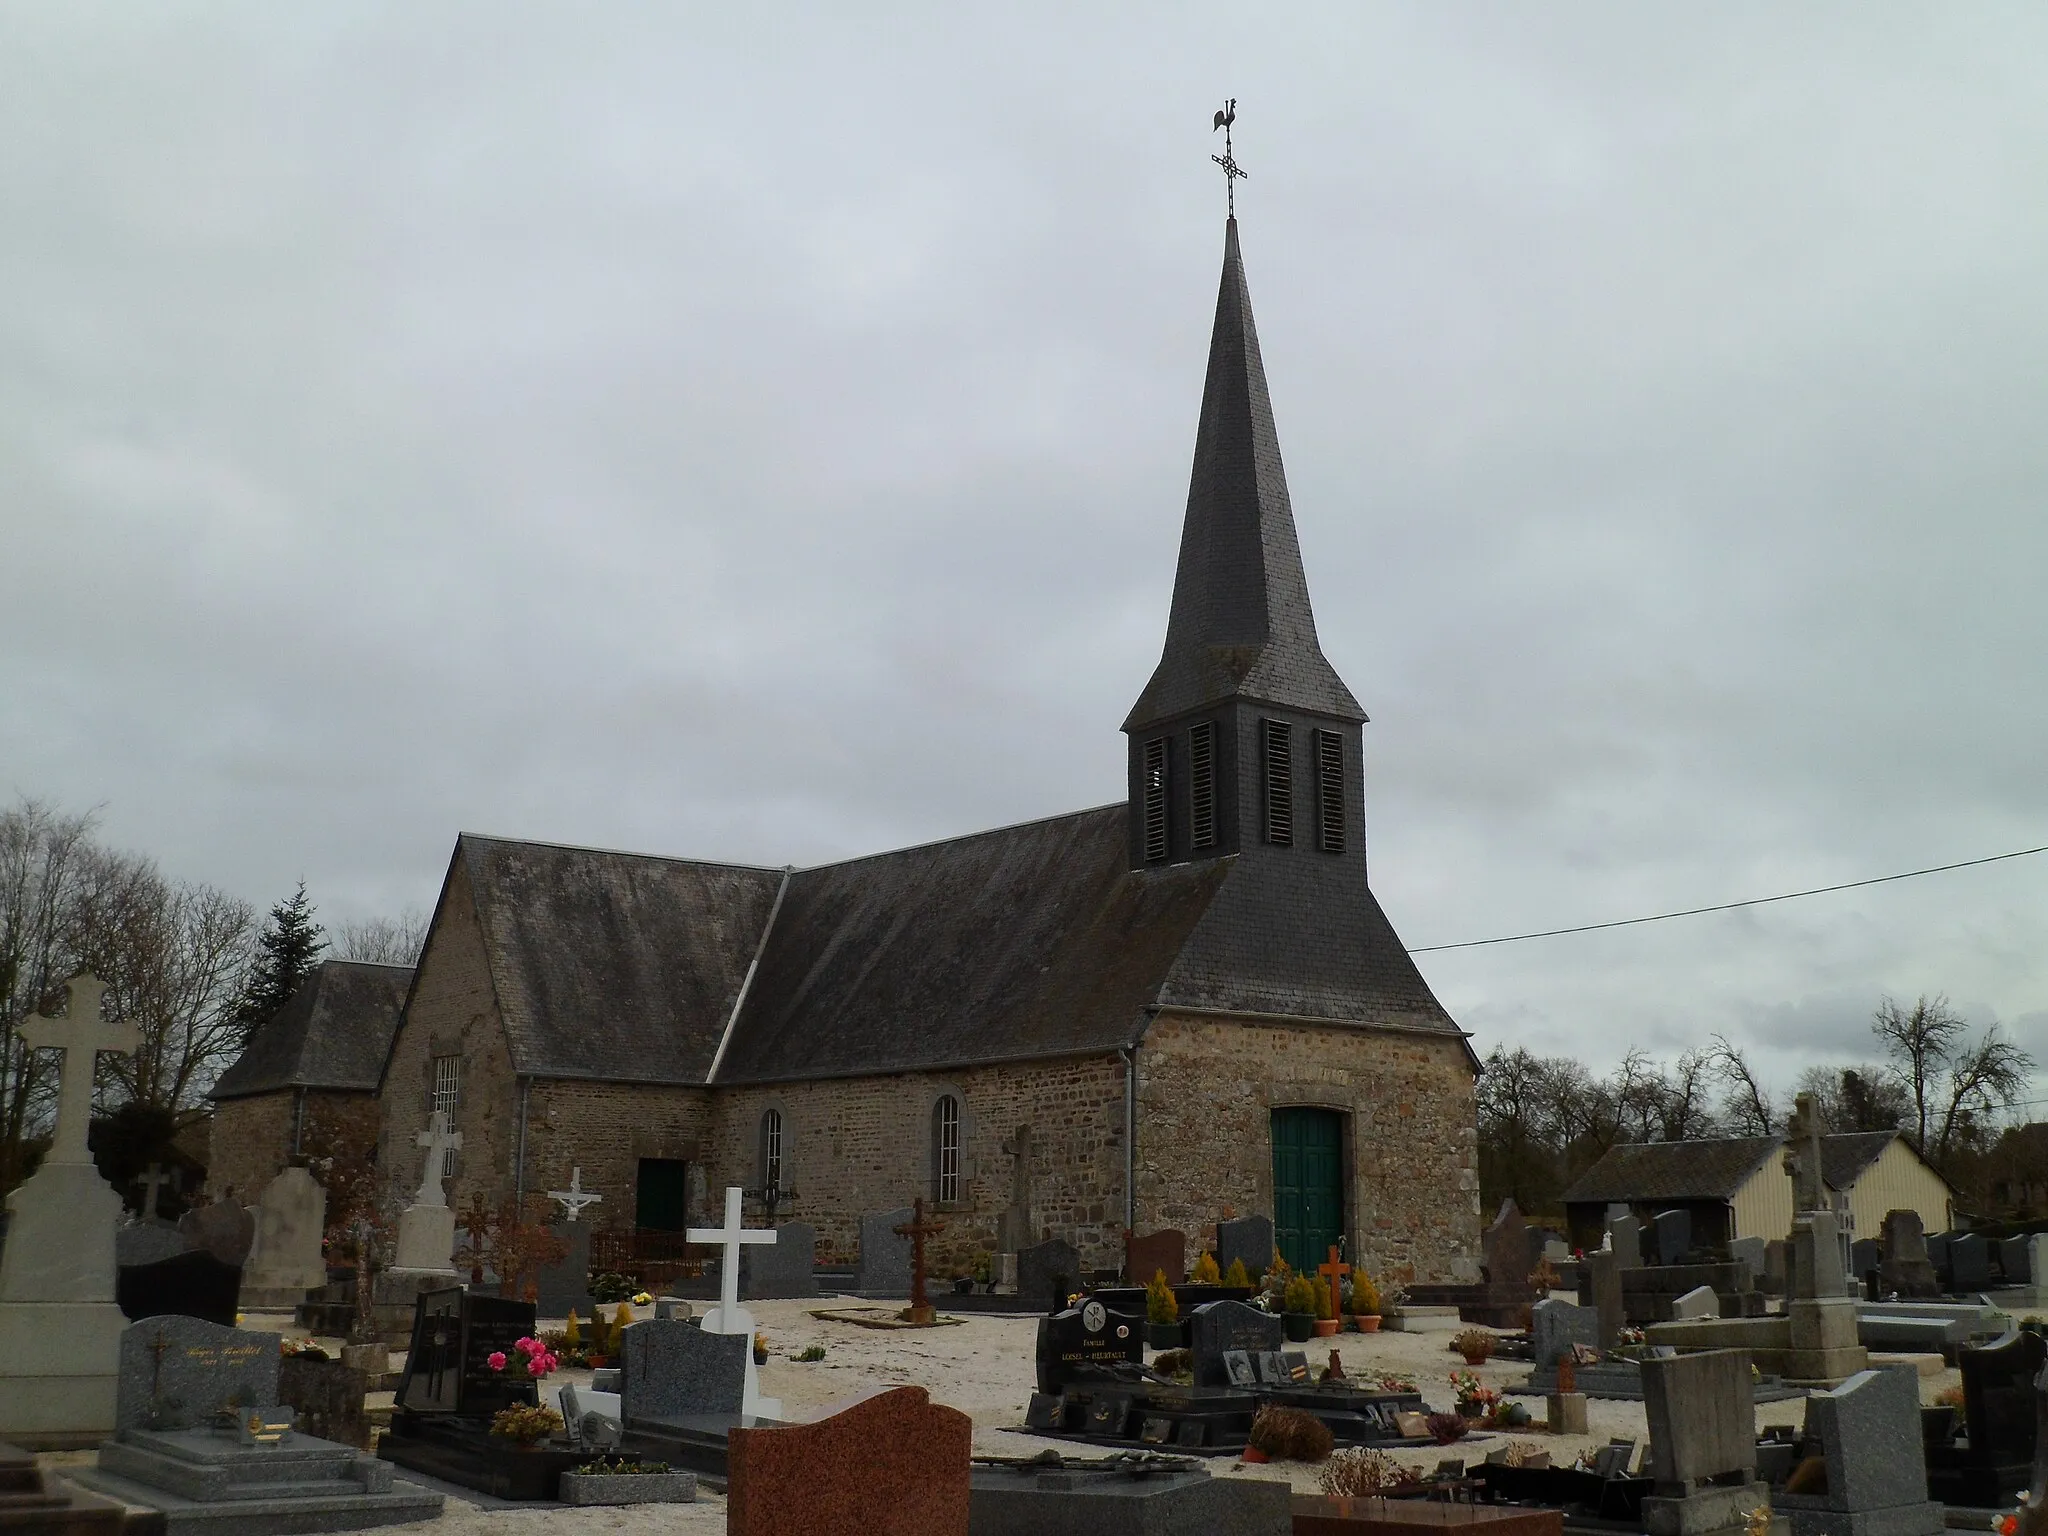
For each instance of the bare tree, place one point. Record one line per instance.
(1981, 1080)
(1687, 1109)
(384, 940)
(1920, 1041)
(1747, 1105)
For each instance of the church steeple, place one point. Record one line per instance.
(1245, 739)
(1241, 626)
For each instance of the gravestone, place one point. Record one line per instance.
(60, 1329)
(1217, 1327)
(1698, 1303)
(786, 1269)
(564, 1286)
(1163, 1251)
(426, 1228)
(192, 1284)
(1750, 1252)
(1249, 1238)
(1969, 1262)
(1869, 1434)
(1674, 1236)
(883, 1268)
(290, 1219)
(1777, 1278)
(178, 1372)
(1625, 1239)
(1557, 1326)
(1084, 1341)
(447, 1367)
(734, 1236)
(1702, 1444)
(222, 1229)
(1998, 1397)
(147, 1242)
(895, 1464)
(328, 1397)
(1816, 1258)
(2037, 1263)
(1603, 1279)
(1048, 1273)
(674, 1370)
(1866, 1257)
(2015, 1256)
(1508, 1254)
(1937, 1255)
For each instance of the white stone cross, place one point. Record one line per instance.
(575, 1197)
(439, 1142)
(81, 1035)
(152, 1181)
(728, 1316)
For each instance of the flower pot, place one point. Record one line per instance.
(1299, 1327)
(629, 1487)
(1253, 1454)
(1368, 1322)
(760, 1357)
(1471, 1410)
(962, 1286)
(1478, 1359)
(1326, 1327)
(1163, 1335)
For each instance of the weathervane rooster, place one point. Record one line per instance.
(1231, 170)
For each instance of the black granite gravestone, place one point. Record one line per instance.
(1086, 1342)
(1249, 1238)
(1969, 1262)
(1048, 1273)
(189, 1284)
(1674, 1236)
(1995, 1460)
(1222, 1326)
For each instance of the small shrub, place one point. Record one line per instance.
(1205, 1271)
(525, 1423)
(1475, 1344)
(1290, 1434)
(1365, 1296)
(1174, 1362)
(815, 1352)
(1446, 1428)
(1161, 1305)
(1326, 1304)
(621, 1466)
(1237, 1274)
(572, 1335)
(1298, 1296)
(1360, 1474)
(1520, 1453)
(610, 1285)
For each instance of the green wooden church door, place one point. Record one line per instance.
(1308, 1184)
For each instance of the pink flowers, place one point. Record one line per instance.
(535, 1360)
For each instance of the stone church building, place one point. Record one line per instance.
(1183, 1006)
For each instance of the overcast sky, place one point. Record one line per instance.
(752, 433)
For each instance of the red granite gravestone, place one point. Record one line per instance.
(893, 1465)
(1146, 1256)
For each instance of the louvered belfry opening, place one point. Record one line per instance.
(1202, 785)
(1330, 791)
(1277, 750)
(1158, 843)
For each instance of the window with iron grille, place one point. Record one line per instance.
(1330, 791)
(447, 1097)
(771, 1149)
(1202, 785)
(1278, 743)
(946, 1149)
(1156, 842)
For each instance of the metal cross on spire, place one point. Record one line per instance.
(1232, 171)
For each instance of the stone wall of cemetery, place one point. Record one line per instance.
(1206, 1091)
(859, 1145)
(453, 1012)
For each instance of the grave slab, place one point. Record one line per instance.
(895, 1464)
(1080, 1497)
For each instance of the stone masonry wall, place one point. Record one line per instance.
(250, 1144)
(605, 1129)
(454, 1011)
(859, 1145)
(1206, 1091)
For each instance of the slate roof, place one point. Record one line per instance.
(1707, 1169)
(1241, 625)
(334, 1033)
(618, 966)
(1845, 1155)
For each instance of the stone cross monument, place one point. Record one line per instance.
(575, 1197)
(1802, 1157)
(60, 1332)
(426, 1228)
(729, 1316)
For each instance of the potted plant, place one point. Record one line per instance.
(622, 1480)
(1365, 1303)
(760, 1349)
(1162, 1313)
(984, 1271)
(1205, 1271)
(1287, 1434)
(1327, 1321)
(1476, 1400)
(1475, 1344)
(1298, 1310)
(1238, 1276)
(525, 1424)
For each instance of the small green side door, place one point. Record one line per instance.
(661, 1199)
(1308, 1184)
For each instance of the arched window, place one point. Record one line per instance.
(946, 1149)
(771, 1150)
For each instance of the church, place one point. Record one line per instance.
(1178, 1008)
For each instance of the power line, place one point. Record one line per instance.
(1730, 906)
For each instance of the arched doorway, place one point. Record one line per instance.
(1308, 1184)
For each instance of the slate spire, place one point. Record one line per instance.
(1241, 626)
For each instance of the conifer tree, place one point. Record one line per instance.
(287, 952)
